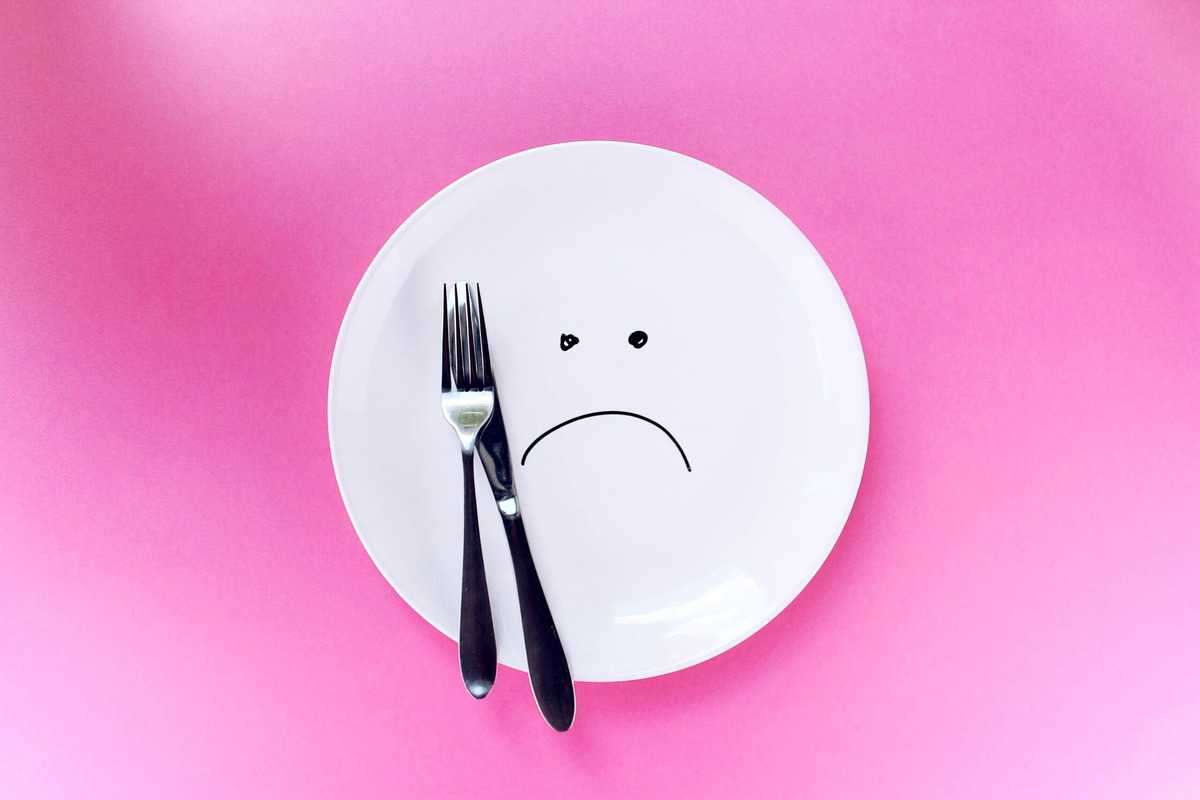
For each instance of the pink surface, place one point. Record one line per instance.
(1008, 196)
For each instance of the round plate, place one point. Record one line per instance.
(661, 539)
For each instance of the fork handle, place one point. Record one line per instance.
(476, 636)
(548, 671)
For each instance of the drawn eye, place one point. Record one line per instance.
(638, 339)
(567, 341)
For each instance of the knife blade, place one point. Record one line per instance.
(549, 673)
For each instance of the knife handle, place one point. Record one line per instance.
(476, 636)
(548, 671)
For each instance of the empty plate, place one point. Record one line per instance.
(707, 364)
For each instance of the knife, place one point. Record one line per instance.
(548, 671)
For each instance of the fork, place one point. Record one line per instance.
(468, 398)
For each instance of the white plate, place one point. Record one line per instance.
(752, 362)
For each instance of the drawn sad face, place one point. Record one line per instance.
(620, 386)
(630, 386)
(637, 340)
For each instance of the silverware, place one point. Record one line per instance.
(468, 400)
(549, 674)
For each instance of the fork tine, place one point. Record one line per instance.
(485, 355)
(455, 353)
(447, 382)
(452, 342)
(479, 354)
(462, 372)
(467, 370)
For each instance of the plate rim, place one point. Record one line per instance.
(856, 340)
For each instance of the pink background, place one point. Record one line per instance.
(1007, 194)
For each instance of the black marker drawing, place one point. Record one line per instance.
(567, 341)
(658, 425)
(638, 339)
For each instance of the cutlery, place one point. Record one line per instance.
(549, 674)
(468, 400)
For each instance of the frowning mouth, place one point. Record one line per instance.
(565, 423)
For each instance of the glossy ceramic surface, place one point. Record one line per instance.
(616, 278)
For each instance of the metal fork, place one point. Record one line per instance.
(468, 398)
